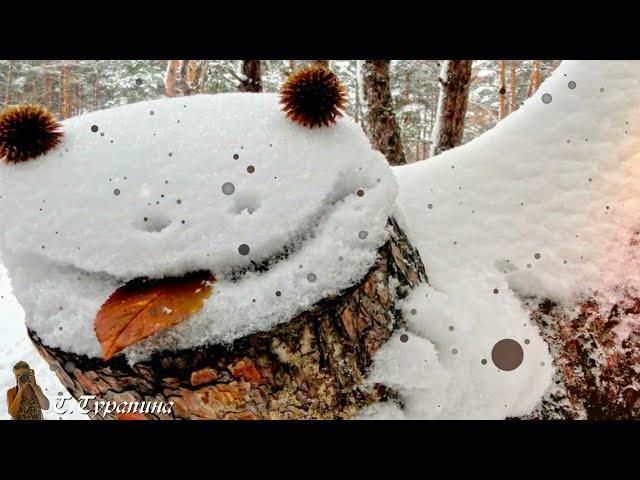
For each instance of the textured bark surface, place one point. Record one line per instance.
(452, 105)
(252, 81)
(382, 125)
(309, 368)
(596, 352)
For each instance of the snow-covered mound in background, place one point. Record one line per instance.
(212, 182)
(542, 205)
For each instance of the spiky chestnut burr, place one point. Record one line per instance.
(26, 132)
(313, 96)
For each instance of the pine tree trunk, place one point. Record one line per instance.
(7, 95)
(502, 92)
(309, 368)
(535, 76)
(382, 125)
(513, 86)
(65, 93)
(452, 105)
(170, 78)
(252, 80)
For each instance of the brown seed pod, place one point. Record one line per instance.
(27, 131)
(313, 96)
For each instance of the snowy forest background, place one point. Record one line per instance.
(73, 87)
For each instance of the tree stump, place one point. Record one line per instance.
(311, 367)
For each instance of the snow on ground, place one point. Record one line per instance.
(217, 182)
(15, 346)
(544, 205)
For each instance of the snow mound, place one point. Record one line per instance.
(224, 183)
(542, 205)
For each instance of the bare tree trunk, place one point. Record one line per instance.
(535, 76)
(502, 92)
(309, 368)
(96, 90)
(252, 78)
(170, 78)
(452, 105)
(7, 95)
(513, 86)
(382, 125)
(183, 78)
(65, 92)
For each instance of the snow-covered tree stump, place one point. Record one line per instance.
(309, 368)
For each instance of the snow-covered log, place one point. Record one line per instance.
(296, 227)
(309, 368)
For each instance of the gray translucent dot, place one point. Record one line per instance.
(572, 85)
(528, 265)
(278, 293)
(451, 328)
(236, 156)
(102, 134)
(94, 128)
(430, 206)
(151, 112)
(312, 277)
(116, 191)
(537, 256)
(454, 351)
(171, 154)
(340, 259)
(363, 234)
(60, 394)
(483, 361)
(243, 249)
(404, 338)
(546, 98)
(178, 201)
(495, 291)
(542, 364)
(527, 341)
(228, 188)
(138, 81)
(413, 311)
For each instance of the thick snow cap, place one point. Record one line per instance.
(544, 205)
(219, 182)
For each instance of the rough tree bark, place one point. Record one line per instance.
(382, 125)
(513, 87)
(7, 94)
(309, 368)
(452, 105)
(502, 91)
(252, 77)
(170, 77)
(65, 106)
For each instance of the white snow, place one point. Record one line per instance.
(91, 214)
(544, 204)
(15, 346)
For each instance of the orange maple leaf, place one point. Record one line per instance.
(141, 308)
